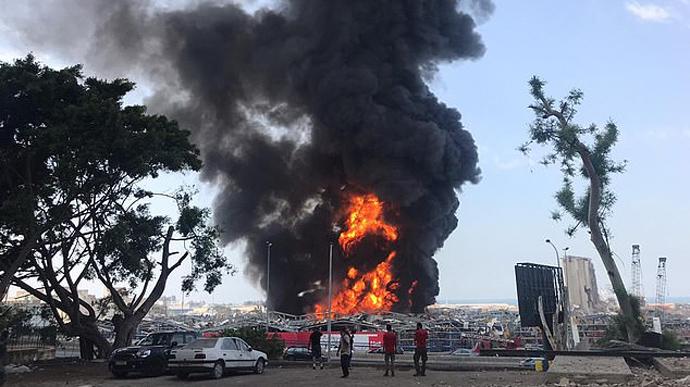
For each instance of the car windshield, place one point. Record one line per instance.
(154, 339)
(202, 343)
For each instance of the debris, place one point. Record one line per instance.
(15, 369)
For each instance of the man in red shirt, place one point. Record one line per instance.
(420, 338)
(390, 342)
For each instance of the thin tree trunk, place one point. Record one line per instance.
(602, 247)
(132, 318)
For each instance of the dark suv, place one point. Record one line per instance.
(299, 353)
(149, 355)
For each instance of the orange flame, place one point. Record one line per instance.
(371, 291)
(365, 217)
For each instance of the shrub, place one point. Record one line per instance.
(273, 346)
(669, 340)
(618, 327)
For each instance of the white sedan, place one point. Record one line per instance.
(215, 356)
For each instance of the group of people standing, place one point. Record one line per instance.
(390, 347)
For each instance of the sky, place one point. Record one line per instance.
(631, 60)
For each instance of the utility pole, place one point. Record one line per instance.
(268, 278)
(330, 294)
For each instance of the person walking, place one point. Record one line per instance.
(345, 351)
(420, 352)
(315, 348)
(390, 343)
(352, 349)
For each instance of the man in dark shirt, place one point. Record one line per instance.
(390, 341)
(315, 347)
(420, 338)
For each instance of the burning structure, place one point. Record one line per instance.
(315, 123)
(316, 115)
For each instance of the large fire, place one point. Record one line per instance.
(365, 217)
(373, 290)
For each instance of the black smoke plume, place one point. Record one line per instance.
(297, 106)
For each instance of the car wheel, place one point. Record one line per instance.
(120, 374)
(218, 370)
(259, 367)
(290, 358)
(183, 375)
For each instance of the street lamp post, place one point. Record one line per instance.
(330, 293)
(566, 301)
(268, 278)
(558, 258)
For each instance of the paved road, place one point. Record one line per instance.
(93, 375)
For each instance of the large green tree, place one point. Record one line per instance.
(72, 206)
(582, 152)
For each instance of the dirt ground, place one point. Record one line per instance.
(92, 375)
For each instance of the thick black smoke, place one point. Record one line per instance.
(296, 107)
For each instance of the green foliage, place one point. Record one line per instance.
(74, 163)
(13, 318)
(273, 346)
(618, 326)
(553, 127)
(69, 147)
(670, 341)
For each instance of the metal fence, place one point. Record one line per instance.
(25, 342)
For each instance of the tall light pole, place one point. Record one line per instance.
(268, 277)
(566, 302)
(565, 255)
(330, 293)
(558, 258)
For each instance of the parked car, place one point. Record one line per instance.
(530, 363)
(534, 347)
(299, 354)
(463, 352)
(398, 350)
(215, 355)
(149, 355)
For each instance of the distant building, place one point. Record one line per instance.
(22, 297)
(583, 293)
(86, 296)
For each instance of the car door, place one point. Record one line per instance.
(189, 337)
(177, 340)
(246, 357)
(229, 353)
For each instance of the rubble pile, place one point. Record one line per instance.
(643, 378)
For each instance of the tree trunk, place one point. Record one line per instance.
(85, 349)
(602, 247)
(124, 331)
(88, 333)
(16, 262)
